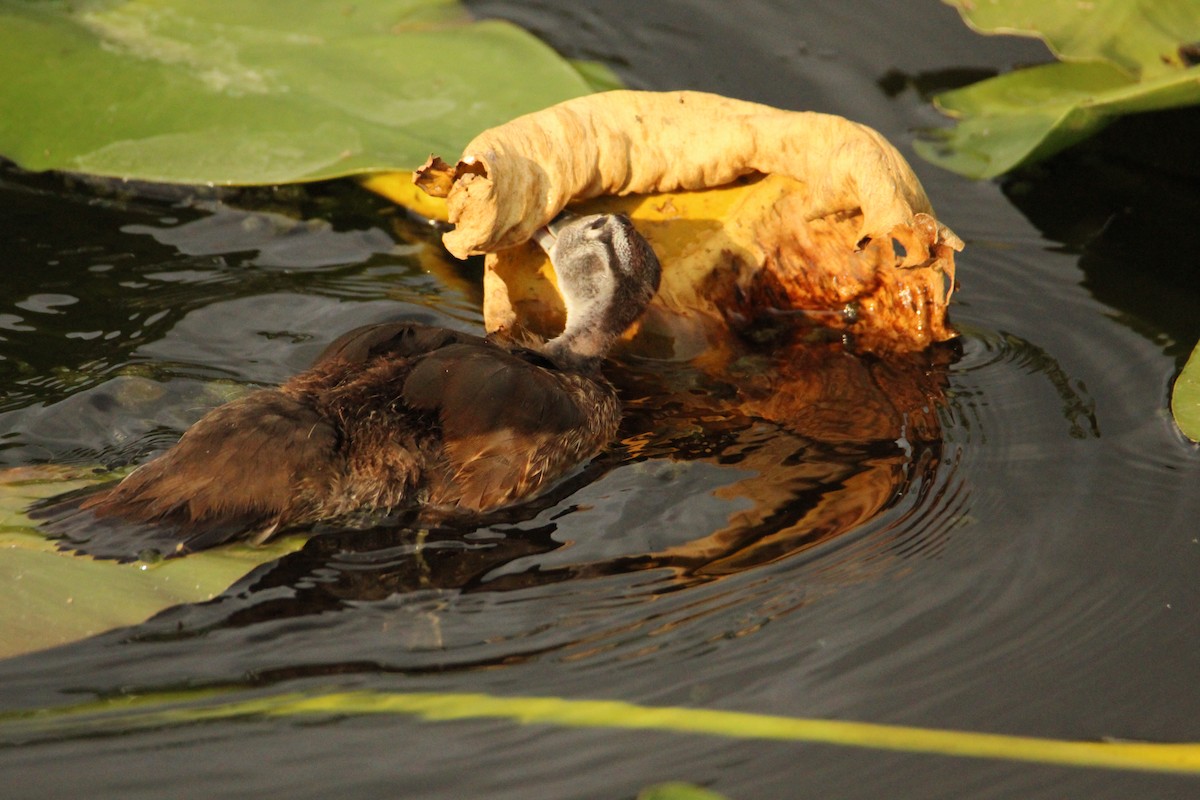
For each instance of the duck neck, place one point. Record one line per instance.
(585, 341)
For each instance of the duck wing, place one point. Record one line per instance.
(399, 339)
(509, 424)
(244, 470)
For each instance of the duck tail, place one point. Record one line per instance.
(77, 524)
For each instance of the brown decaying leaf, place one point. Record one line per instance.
(814, 216)
(774, 228)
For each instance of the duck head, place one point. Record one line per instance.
(607, 274)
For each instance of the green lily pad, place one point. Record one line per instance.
(1141, 37)
(1185, 397)
(1033, 113)
(1126, 56)
(229, 92)
(53, 598)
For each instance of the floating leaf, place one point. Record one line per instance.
(229, 92)
(52, 597)
(805, 212)
(1185, 397)
(1127, 57)
(1141, 37)
(1031, 114)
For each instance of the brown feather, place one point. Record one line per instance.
(390, 416)
(260, 460)
(507, 424)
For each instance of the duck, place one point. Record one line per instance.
(391, 417)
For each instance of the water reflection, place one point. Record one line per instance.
(273, 240)
(1123, 221)
(1003, 352)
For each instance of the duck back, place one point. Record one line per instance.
(390, 417)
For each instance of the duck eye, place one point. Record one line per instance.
(602, 233)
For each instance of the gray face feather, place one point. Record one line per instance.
(607, 274)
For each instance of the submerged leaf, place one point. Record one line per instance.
(122, 713)
(803, 213)
(268, 92)
(676, 790)
(53, 597)
(1185, 398)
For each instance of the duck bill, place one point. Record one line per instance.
(547, 235)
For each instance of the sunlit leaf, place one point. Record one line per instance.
(1141, 37)
(52, 597)
(1125, 57)
(271, 91)
(142, 710)
(1030, 114)
(1185, 398)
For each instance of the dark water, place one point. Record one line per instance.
(1031, 569)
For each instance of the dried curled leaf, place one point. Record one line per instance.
(813, 212)
(514, 178)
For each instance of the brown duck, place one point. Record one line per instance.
(391, 417)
